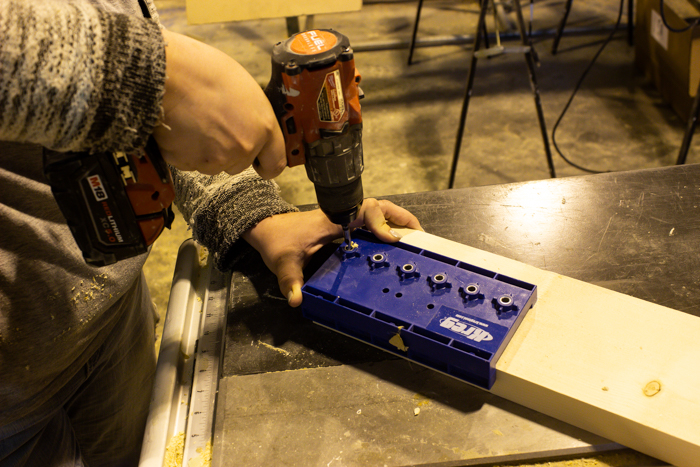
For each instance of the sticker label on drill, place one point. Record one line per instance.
(330, 102)
(469, 329)
(313, 42)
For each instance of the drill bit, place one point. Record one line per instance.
(349, 244)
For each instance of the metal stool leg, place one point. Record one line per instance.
(529, 58)
(415, 32)
(412, 46)
(560, 29)
(292, 25)
(483, 5)
(535, 88)
(630, 22)
(690, 129)
(562, 24)
(485, 35)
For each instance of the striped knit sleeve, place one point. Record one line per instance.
(73, 77)
(220, 208)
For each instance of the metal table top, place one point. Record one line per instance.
(295, 393)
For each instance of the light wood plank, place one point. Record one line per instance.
(595, 358)
(216, 11)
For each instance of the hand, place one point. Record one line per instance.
(216, 117)
(287, 241)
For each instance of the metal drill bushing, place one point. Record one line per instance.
(408, 270)
(378, 260)
(471, 292)
(504, 303)
(439, 281)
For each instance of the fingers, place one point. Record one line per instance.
(375, 220)
(272, 159)
(375, 214)
(399, 216)
(306, 232)
(216, 117)
(290, 278)
(294, 297)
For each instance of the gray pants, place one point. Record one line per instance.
(99, 417)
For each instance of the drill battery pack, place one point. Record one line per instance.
(116, 204)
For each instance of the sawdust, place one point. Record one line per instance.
(204, 457)
(614, 459)
(174, 451)
(397, 342)
(203, 255)
(86, 294)
(272, 347)
(421, 400)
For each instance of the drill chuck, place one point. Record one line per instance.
(340, 203)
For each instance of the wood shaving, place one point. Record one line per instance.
(204, 457)
(203, 255)
(174, 450)
(272, 347)
(397, 342)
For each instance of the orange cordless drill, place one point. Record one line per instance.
(117, 204)
(315, 93)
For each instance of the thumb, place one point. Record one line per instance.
(290, 278)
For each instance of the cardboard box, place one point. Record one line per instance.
(671, 60)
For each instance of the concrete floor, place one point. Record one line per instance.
(618, 121)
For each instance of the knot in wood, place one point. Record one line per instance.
(652, 388)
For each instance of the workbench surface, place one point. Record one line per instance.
(294, 393)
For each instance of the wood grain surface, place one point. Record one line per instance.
(615, 365)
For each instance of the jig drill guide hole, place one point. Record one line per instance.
(351, 247)
(505, 300)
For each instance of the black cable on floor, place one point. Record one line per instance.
(577, 87)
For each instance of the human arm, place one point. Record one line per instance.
(287, 242)
(223, 210)
(77, 78)
(216, 116)
(219, 209)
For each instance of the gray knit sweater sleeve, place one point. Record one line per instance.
(220, 208)
(75, 77)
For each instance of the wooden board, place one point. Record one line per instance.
(617, 366)
(217, 11)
